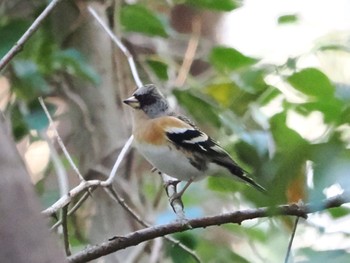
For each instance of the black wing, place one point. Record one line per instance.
(206, 149)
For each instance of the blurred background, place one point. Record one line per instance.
(268, 79)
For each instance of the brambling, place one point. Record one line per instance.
(174, 145)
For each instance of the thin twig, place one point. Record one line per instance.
(286, 260)
(59, 140)
(74, 208)
(30, 31)
(121, 46)
(65, 230)
(66, 199)
(119, 160)
(137, 237)
(85, 185)
(114, 195)
(62, 176)
(190, 52)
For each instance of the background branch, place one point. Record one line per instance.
(137, 237)
(30, 31)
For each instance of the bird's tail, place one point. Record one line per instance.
(241, 174)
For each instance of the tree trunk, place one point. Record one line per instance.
(24, 235)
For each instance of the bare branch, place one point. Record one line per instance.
(119, 160)
(66, 199)
(30, 31)
(114, 195)
(190, 52)
(137, 237)
(65, 230)
(74, 208)
(62, 176)
(286, 260)
(59, 140)
(121, 46)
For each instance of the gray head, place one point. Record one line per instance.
(149, 99)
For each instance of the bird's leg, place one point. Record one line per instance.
(177, 196)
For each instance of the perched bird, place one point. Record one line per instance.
(174, 145)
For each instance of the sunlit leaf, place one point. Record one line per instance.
(288, 19)
(336, 47)
(331, 109)
(224, 93)
(221, 5)
(229, 59)
(313, 82)
(229, 95)
(137, 18)
(269, 95)
(338, 212)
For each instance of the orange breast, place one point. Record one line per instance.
(152, 130)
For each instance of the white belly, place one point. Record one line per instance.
(170, 161)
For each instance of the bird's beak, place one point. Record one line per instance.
(132, 102)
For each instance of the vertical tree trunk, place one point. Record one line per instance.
(24, 235)
(101, 144)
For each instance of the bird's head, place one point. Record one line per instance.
(148, 99)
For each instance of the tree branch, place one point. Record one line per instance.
(120, 242)
(30, 31)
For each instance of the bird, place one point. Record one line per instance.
(174, 145)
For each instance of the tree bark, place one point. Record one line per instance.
(100, 145)
(24, 235)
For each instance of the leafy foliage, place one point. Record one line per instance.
(235, 103)
(137, 18)
(222, 5)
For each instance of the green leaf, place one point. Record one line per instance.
(229, 59)
(229, 95)
(19, 127)
(73, 62)
(177, 254)
(218, 5)
(29, 82)
(331, 109)
(334, 47)
(224, 93)
(36, 118)
(198, 107)
(223, 184)
(287, 19)
(10, 33)
(253, 80)
(217, 252)
(137, 18)
(159, 68)
(312, 82)
(269, 95)
(338, 212)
